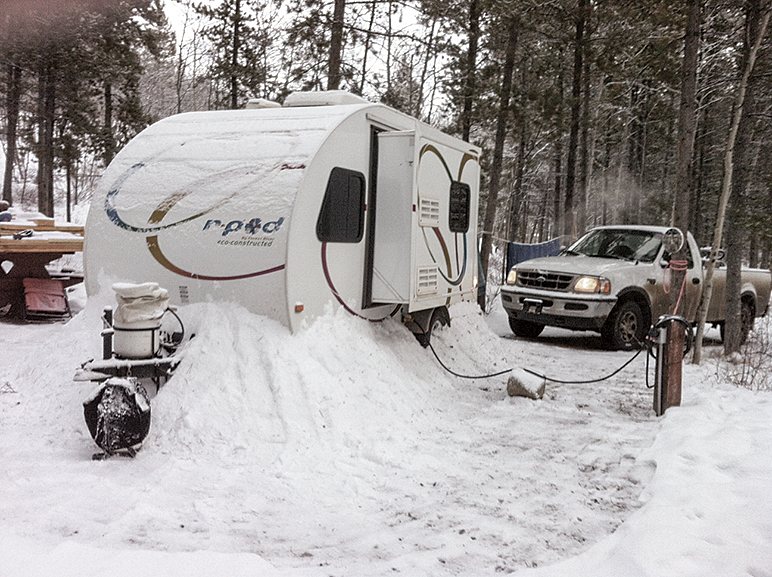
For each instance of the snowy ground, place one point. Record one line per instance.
(346, 450)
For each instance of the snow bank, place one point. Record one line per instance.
(707, 510)
(345, 449)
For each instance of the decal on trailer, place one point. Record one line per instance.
(460, 267)
(249, 228)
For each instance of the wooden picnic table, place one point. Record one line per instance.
(29, 256)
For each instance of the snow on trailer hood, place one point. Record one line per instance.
(193, 186)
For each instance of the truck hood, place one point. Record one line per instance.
(576, 264)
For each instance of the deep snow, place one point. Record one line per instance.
(346, 450)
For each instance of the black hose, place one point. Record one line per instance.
(647, 346)
(465, 376)
(182, 328)
(499, 373)
(546, 378)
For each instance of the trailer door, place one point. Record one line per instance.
(391, 219)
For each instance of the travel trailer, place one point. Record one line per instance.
(327, 198)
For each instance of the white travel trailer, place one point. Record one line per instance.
(284, 209)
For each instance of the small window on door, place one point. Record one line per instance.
(460, 195)
(343, 208)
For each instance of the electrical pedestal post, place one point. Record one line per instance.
(669, 390)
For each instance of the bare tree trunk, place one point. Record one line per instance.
(584, 150)
(470, 84)
(235, 56)
(368, 41)
(518, 220)
(109, 140)
(687, 123)
(430, 52)
(389, 42)
(735, 230)
(498, 152)
(557, 207)
(12, 110)
(69, 190)
(336, 45)
(727, 182)
(570, 224)
(179, 74)
(687, 117)
(557, 188)
(45, 145)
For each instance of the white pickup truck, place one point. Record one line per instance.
(616, 280)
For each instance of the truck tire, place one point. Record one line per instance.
(625, 328)
(525, 329)
(746, 322)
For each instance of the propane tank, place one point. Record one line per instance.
(137, 319)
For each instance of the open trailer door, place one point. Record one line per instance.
(391, 225)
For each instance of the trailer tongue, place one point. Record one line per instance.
(138, 359)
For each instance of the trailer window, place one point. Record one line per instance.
(342, 216)
(459, 206)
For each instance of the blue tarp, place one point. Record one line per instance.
(518, 252)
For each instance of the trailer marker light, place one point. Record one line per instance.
(299, 307)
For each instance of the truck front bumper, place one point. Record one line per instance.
(566, 310)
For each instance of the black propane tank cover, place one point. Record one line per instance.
(118, 415)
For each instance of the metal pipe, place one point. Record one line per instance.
(107, 333)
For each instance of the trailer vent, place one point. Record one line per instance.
(429, 212)
(428, 280)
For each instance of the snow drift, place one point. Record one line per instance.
(345, 449)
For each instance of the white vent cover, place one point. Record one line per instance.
(259, 103)
(427, 281)
(428, 212)
(323, 98)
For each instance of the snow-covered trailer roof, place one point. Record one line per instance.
(224, 205)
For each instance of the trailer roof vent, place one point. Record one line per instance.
(255, 103)
(323, 98)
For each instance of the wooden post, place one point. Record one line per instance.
(673, 364)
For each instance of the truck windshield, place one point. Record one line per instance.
(619, 243)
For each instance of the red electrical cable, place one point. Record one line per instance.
(678, 266)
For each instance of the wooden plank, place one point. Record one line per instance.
(14, 227)
(27, 245)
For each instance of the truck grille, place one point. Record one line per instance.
(544, 280)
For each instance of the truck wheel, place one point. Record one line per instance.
(525, 329)
(746, 323)
(625, 328)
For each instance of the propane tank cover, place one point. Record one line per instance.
(139, 302)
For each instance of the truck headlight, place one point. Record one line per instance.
(512, 276)
(592, 284)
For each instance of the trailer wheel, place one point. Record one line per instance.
(525, 329)
(625, 328)
(440, 318)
